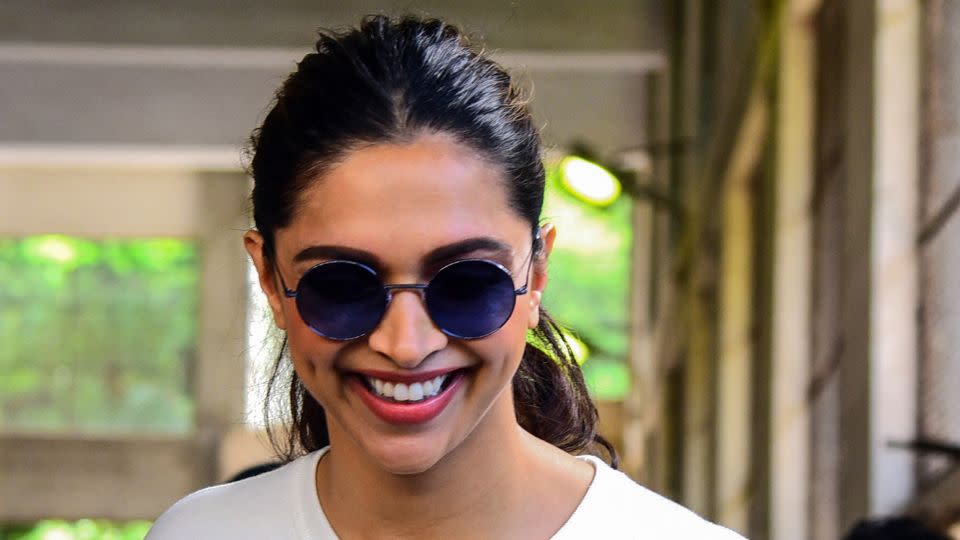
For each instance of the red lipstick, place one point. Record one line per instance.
(408, 413)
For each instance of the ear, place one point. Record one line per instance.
(253, 242)
(538, 281)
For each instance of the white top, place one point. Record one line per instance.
(283, 504)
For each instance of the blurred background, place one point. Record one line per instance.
(757, 204)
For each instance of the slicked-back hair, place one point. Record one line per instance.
(389, 81)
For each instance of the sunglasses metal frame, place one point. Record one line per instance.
(422, 287)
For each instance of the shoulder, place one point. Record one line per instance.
(257, 507)
(617, 507)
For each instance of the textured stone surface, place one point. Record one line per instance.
(825, 462)
(940, 370)
(942, 102)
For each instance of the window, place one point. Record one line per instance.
(122, 313)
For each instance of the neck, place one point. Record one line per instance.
(479, 482)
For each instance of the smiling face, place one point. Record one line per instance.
(407, 210)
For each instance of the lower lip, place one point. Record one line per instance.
(405, 413)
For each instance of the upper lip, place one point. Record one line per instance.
(406, 378)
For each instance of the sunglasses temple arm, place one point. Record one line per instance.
(523, 289)
(286, 291)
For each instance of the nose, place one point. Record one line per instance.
(406, 334)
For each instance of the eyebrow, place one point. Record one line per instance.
(434, 258)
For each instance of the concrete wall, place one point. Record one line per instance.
(504, 24)
(940, 231)
(203, 73)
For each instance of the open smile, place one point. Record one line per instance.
(402, 392)
(407, 399)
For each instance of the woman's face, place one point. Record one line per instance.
(395, 207)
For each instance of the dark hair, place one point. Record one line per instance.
(902, 528)
(388, 81)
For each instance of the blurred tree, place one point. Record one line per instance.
(84, 529)
(97, 335)
(589, 282)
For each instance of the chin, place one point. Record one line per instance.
(407, 458)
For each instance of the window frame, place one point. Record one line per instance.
(135, 194)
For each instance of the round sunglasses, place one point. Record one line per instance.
(466, 299)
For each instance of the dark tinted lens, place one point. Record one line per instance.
(341, 300)
(471, 299)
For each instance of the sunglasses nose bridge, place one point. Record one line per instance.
(406, 333)
(420, 289)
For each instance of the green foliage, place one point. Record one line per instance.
(589, 282)
(608, 380)
(98, 335)
(84, 529)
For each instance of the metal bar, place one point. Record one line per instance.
(940, 218)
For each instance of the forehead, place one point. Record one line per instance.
(402, 200)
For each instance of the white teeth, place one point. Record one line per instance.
(403, 392)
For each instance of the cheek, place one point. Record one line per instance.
(525, 314)
(508, 343)
(312, 357)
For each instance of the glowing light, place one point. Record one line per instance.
(588, 181)
(56, 249)
(580, 349)
(57, 534)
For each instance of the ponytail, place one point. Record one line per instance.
(551, 398)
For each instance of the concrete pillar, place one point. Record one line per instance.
(878, 372)
(221, 362)
(791, 289)
(735, 321)
(697, 309)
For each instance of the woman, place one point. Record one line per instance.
(398, 187)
